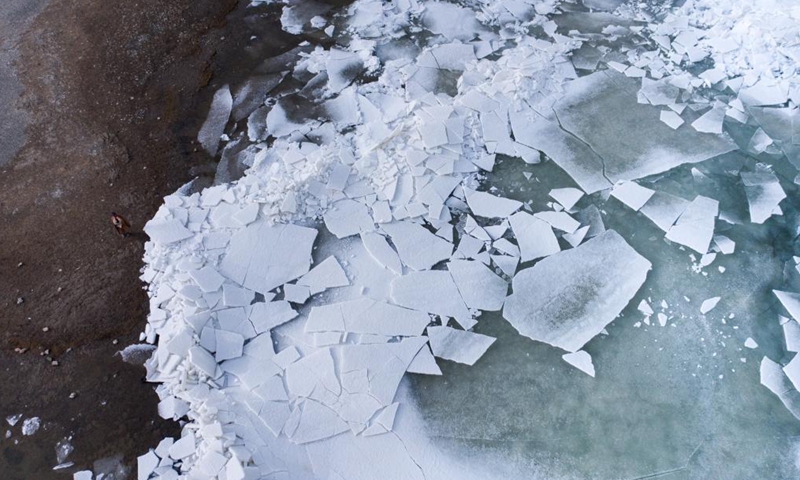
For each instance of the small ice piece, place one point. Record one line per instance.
(672, 119)
(214, 126)
(750, 343)
(792, 370)
(366, 316)
(261, 256)
(791, 334)
(83, 475)
(184, 447)
(645, 308)
(327, 274)
(711, 121)
(695, 227)
(348, 217)
(432, 291)
(207, 278)
(600, 276)
(479, 286)
(535, 237)
(145, 465)
(342, 67)
(296, 293)
(632, 194)
(486, 205)
(458, 345)
(31, 426)
(580, 360)
(233, 296)
(725, 244)
(592, 217)
(380, 250)
(764, 193)
(662, 319)
(559, 220)
(567, 197)
(507, 264)
(577, 237)
(266, 316)
(200, 358)
(763, 92)
(790, 301)
(424, 363)
(709, 305)
(167, 231)
(419, 249)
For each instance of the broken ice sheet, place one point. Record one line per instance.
(458, 345)
(764, 193)
(479, 286)
(567, 197)
(486, 205)
(695, 227)
(664, 209)
(580, 360)
(632, 194)
(601, 108)
(432, 291)
(534, 236)
(568, 298)
(214, 126)
(419, 249)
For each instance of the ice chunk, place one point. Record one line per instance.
(486, 205)
(567, 197)
(479, 287)
(577, 237)
(580, 360)
(559, 220)
(167, 231)
(750, 343)
(774, 378)
(214, 126)
(764, 193)
(317, 422)
(296, 293)
(432, 291)
(419, 249)
(83, 475)
(695, 227)
(184, 447)
(791, 333)
(632, 194)
(507, 264)
(261, 257)
(200, 358)
(424, 363)
(664, 209)
(601, 108)
(711, 121)
(672, 119)
(266, 316)
(790, 301)
(591, 216)
(327, 274)
(568, 298)
(380, 250)
(458, 345)
(367, 316)
(207, 278)
(645, 308)
(709, 305)
(229, 345)
(535, 237)
(792, 371)
(145, 465)
(342, 67)
(348, 217)
(725, 244)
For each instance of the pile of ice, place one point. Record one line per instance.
(283, 344)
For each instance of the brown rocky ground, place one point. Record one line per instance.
(114, 89)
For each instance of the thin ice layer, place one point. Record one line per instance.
(568, 298)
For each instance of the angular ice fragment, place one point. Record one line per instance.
(367, 316)
(535, 237)
(380, 250)
(432, 291)
(632, 194)
(207, 278)
(591, 216)
(327, 274)
(580, 360)
(792, 371)
(458, 345)
(764, 193)
(261, 257)
(479, 286)
(167, 231)
(709, 305)
(672, 119)
(229, 345)
(750, 343)
(695, 227)
(486, 205)
(214, 126)
(419, 249)
(184, 447)
(507, 264)
(791, 334)
(266, 316)
(145, 465)
(711, 121)
(200, 358)
(790, 301)
(348, 217)
(774, 378)
(342, 67)
(568, 298)
(424, 363)
(664, 209)
(567, 197)
(317, 422)
(645, 308)
(559, 220)
(296, 293)
(725, 244)
(577, 237)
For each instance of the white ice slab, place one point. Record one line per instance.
(419, 249)
(559, 220)
(327, 274)
(167, 231)
(479, 286)
(725, 244)
(568, 298)
(632, 194)
(750, 343)
(709, 305)
(207, 278)
(486, 205)
(380, 250)
(458, 345)
(261, 257)
(214, 126)
(790, 301)
(580, 360)
(672, 119)
(567, 197)
(432, 291)
(695, 227)
(367, 316)
(424, 363)
(348, 217)
(535, 237)
(764, 193)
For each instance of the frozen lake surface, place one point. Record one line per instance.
(508, 239)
